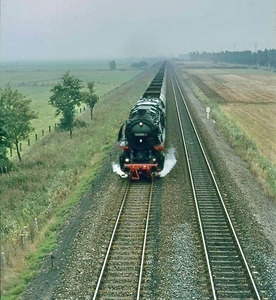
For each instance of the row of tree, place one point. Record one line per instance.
(16, 114)
(266, 58)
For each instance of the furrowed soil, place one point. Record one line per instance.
(248, 97)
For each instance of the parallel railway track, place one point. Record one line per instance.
(122, 269)
(228, 270)
(229, 273)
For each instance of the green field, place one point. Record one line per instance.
(35, 80)
(57, 170)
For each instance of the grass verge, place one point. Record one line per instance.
(38, 196)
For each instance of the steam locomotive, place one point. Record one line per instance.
(142, 137)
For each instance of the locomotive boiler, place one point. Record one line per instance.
(142, 137)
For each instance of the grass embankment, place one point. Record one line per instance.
(53, 175)
(243, 104)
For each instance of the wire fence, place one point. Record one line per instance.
(25, 236)
(30, 141)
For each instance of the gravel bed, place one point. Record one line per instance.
(174, 266)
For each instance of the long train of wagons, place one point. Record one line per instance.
(142, 137)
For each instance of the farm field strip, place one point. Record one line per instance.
(237, 88)
(258, 123)
(250, 101)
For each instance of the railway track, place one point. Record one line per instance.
(229, 274)
(122, 269)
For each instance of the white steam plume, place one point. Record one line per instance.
(170, 161)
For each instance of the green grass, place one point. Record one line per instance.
(55, 172)
(33, 261)
(35, 80)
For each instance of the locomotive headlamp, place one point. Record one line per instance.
(140, 124)
(127, 160)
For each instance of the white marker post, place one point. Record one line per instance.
(208, 109)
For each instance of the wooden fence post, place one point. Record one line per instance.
(3, 261)
(36, 224)
(22, 240)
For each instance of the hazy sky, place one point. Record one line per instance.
(73, 29)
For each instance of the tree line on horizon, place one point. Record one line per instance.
(266, 58)
(16, 114)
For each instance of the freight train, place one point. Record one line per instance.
(142, 137)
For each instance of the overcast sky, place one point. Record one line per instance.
(80, 29)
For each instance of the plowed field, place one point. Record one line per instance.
(246, 96)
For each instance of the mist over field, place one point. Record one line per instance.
(69, 29)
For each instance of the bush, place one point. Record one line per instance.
(141, 64)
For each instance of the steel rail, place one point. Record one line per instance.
(195, 196)
(144, 244)
(114, 239)
(221, 200)
(111, 242)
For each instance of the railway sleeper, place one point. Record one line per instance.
(127, 257)
(126, 254)
(222, 268)
(224, 260)
(120, 273)
(110, 297)
(130, 233)
(244, 295)
(221, 243)
(228, 272)
(123, 261)
(221, 248)
(218, 248)
(124, 246)
(238, 278)
(220, 236)
(126, 280)
(222, 257)
(116, 289)
(117, 294)
(215, 227)
(126, 227)
(122, 268)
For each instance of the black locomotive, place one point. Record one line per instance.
(142, 137)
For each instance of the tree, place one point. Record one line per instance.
(66, 96)
(3, 138)
(90, 98)
(112, 65)
(16, 125)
